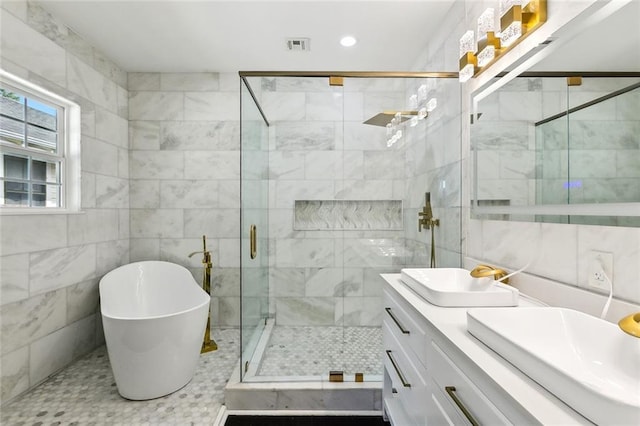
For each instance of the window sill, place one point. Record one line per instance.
(28, 212)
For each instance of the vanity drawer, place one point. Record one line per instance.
(407, 326)
(408, 380)
(461, 391)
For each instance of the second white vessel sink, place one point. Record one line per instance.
(453, 287)
(587, 362)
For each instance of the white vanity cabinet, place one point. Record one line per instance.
(424, 382)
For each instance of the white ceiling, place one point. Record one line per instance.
(232, 35)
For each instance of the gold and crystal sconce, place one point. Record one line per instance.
(495, 37)
(467, 56)
(488, 41)
(519, 17)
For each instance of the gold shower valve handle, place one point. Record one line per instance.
(631, 324)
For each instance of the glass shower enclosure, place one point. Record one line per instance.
(333, 173)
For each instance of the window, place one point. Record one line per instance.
(39, 148)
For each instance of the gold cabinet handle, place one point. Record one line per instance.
(253, 244)
(398, 372)
(451, 392)
(631, 324)
(398, 323)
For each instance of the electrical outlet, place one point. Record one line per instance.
(599, 264)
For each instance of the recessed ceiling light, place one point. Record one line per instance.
(348, 41)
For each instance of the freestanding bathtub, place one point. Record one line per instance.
(154, 316)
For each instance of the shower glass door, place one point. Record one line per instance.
(254, 232)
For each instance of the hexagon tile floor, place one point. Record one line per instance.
(85, 394)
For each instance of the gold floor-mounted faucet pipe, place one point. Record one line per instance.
(208, 344)
(426, 220)
(484, 271)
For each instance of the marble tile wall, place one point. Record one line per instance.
(50, 264)
(320, 150)
(184, 140)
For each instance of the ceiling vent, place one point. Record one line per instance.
(298, 44)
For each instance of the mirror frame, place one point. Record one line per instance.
(537, 47)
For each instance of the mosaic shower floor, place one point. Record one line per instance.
(314, 351)
(85, 394)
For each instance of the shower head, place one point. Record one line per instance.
(385, 117)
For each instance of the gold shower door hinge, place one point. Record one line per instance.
(336, 376)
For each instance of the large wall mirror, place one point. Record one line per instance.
(560, 141)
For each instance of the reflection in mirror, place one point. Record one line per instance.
(548, 139)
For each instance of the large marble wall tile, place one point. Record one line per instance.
(122, 99)
(22, 234)
(297, 253)
(373, 252)
(93, 226)
(90, 84)
(515, 106)
(325, 106)
(123, 163)
(353, 107)
(509, 250)
(30, 319)
(212, 164)
(229, 311)
(82, 300)
(14, 278)
(215, 223)
(112, 128)
(54, 269)
(111, 192)
(383, 165)
(287, 191)
(229, 193)
(230, 253)
(364, 190)
(362, 137)
(14, 373)
(283, 106)
(156, 106)
(51, 353)
(305, 311)
(628, 163)
(144, 135)
(334, 282)
(157, 223)
(211, 106)
(144, 194)
(225, 281)
(195, 81)
(138, 81)
(144, 249)
(156, 165)
(188, 194)
(308, 136)
(110, 255)
(322, 165)
(200, 135)
(592, 163)
(286, 165)
(99, 157)
(287, 282)
(109, 69)
(21, 44)
(17, 8)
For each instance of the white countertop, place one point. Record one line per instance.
(452, 324)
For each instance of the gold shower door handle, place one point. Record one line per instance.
(253, 244)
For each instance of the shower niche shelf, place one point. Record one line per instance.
(332, 215)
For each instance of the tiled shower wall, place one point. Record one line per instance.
(51, 263)
(320, 150)
(184, 134)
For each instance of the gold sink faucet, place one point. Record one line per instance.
(483, 271)
(631, 324)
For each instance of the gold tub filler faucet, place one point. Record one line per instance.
(208, 344)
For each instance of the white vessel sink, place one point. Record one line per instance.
(587, 362)
(455, 287)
